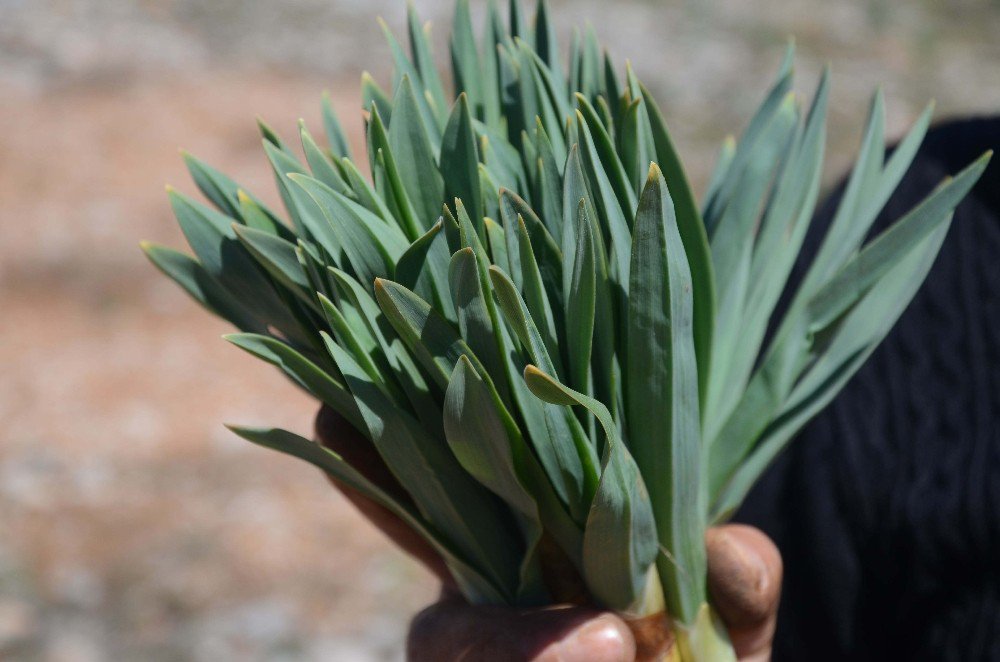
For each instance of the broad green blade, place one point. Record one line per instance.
(406, 68)
(214, 185)
(619, 541)
(362, 311)
(473, 582)
(606, 155)
(371, 247)
(569, 459)
(423, 60)
(487, 443)
(254, 215)
(434, 342)
(279, 258)
(423, 269)
(320, 164)
(580, 303)
(211, 237)
(460, 162)
(475, 322)
(327, 388)
(445, 494)
(389, 180)
(465, 66)
(355, 339)
(410, 144)
(693, 234)
(373, 97)
(783, 228)
(610, 209)
(861, 331)
(661, 390)
(535, 298)
(340, 146)
(201, 286)
(881, 254)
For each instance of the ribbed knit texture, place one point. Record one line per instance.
(887, 507)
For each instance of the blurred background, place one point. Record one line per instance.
(133, 526)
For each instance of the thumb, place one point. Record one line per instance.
(744, 578)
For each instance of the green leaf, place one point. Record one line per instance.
(320, 164)
(472, 581)
(580, 303)
(475, 321)
(201, 286)
(405, 68)
(421, 268)
(271, 137)
(488, 445)
(497, 244)
(749, 142)
(393, 188)
(609, 212)
(732, 254)
(374, 97)
(432, 339)
(859, 333)
(214, 185)
(460, 162)
(327, 388)
(549, 185)
(256, 216)
(465, 65)
(355, 339)
(211, 237)
(298, 209)
(410, 145)
(604, 158)
(364, 192)
(423, 59)
(535, 298)
(340, 146)
(692, 231)
(279, 258)
(868, 189)
(568, 457)
(445, 494)
(662, 377)
(881, 254)
(363, 313)
(619, 541)
(369, 244)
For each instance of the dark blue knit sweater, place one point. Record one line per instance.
(887, 506)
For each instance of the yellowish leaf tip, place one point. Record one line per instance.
(170, 189)
(654, 172)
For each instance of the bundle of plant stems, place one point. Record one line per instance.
(517, 299)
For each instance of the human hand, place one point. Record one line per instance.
(744, 579)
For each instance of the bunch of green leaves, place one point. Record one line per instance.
(530, 317)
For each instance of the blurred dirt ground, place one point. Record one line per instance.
(133, 526)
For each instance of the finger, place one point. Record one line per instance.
(744, 579)
(452, 630)
(335, 433)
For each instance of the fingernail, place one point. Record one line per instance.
(603, 639)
